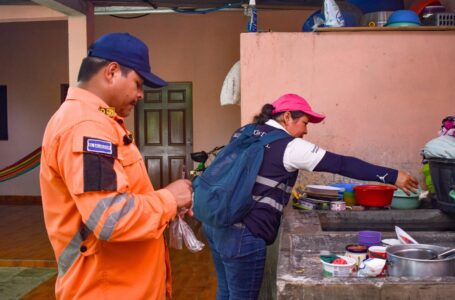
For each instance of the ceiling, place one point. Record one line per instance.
(194, 4)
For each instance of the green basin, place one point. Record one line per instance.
(402, 201)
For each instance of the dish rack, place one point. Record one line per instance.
(440, 19)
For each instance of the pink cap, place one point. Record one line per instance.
(292, 102)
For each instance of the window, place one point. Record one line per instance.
(3, 114)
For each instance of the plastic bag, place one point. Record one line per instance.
(332, 14)
(180, 231)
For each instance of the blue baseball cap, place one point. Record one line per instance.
(128, 51)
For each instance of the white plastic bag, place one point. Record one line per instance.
(179, 230)
(230, 92)
(332, 14)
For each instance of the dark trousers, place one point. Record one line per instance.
(239, 259)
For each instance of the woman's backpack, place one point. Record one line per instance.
(223, 193)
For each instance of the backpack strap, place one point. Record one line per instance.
(267, 138)
(273, 136)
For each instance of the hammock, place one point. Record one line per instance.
(22, 166)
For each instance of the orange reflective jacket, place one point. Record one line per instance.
(103, 217)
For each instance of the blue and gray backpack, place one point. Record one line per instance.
(223, 193)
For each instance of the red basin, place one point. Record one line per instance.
(374, 195)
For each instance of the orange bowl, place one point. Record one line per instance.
(374, 195)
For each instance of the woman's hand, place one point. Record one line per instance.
(406, 182)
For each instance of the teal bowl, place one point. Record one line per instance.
(401, 24)
(402, 201)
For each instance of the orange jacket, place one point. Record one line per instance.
(103, 217)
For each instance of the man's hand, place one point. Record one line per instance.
(182, 191)
(406, 182)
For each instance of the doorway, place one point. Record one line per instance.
(164, 131)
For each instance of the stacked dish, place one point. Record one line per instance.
(317, 197)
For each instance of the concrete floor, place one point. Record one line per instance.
(27, 265)
(16, 282)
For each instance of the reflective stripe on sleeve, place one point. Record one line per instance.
(113, 218)
(102, 205)
(71, 252)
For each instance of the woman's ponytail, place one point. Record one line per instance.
(265, 115)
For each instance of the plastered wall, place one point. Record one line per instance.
(384, 93)
(196, 48)
(34, 62)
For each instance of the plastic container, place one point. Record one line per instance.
(375, 19)
(443, 178)
(440, 19)
(333, 270)
(419, 5)
(369, 238)
(401, 24)
(348, 193)
(402, 201)
(357, 252)
(404, 16)
(374, 195)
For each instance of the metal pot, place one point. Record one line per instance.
(414, 261)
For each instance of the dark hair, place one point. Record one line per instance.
(266, 114)
(91, 65)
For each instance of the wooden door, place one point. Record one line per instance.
(164, 131)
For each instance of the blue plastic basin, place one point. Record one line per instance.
(403, 16)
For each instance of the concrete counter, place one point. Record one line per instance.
(305, 233)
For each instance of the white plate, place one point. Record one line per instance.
(391, 242)
(404, 237)
(323, 189)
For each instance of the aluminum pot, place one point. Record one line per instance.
(413, 260)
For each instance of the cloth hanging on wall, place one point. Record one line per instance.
(230, 92)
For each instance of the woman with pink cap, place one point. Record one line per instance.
(239, 251)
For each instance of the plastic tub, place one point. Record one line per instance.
(369, 238)
(401, 24)
(333, 270)
(403, 16)
(374, 195)
(443, 178)
(357, 252)
(402, 201)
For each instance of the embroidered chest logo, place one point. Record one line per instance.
(108, 111)
(99, 146)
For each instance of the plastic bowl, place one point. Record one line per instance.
(402, 201)
(403, 16)
(374, 195)
(333, 270)
(401, 24)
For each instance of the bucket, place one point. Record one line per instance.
(443, 177)
(335, 270)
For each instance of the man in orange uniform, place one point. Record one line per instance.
(104, 219)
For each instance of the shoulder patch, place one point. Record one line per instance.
(94, 145)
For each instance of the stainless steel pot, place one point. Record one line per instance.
(415, 261)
